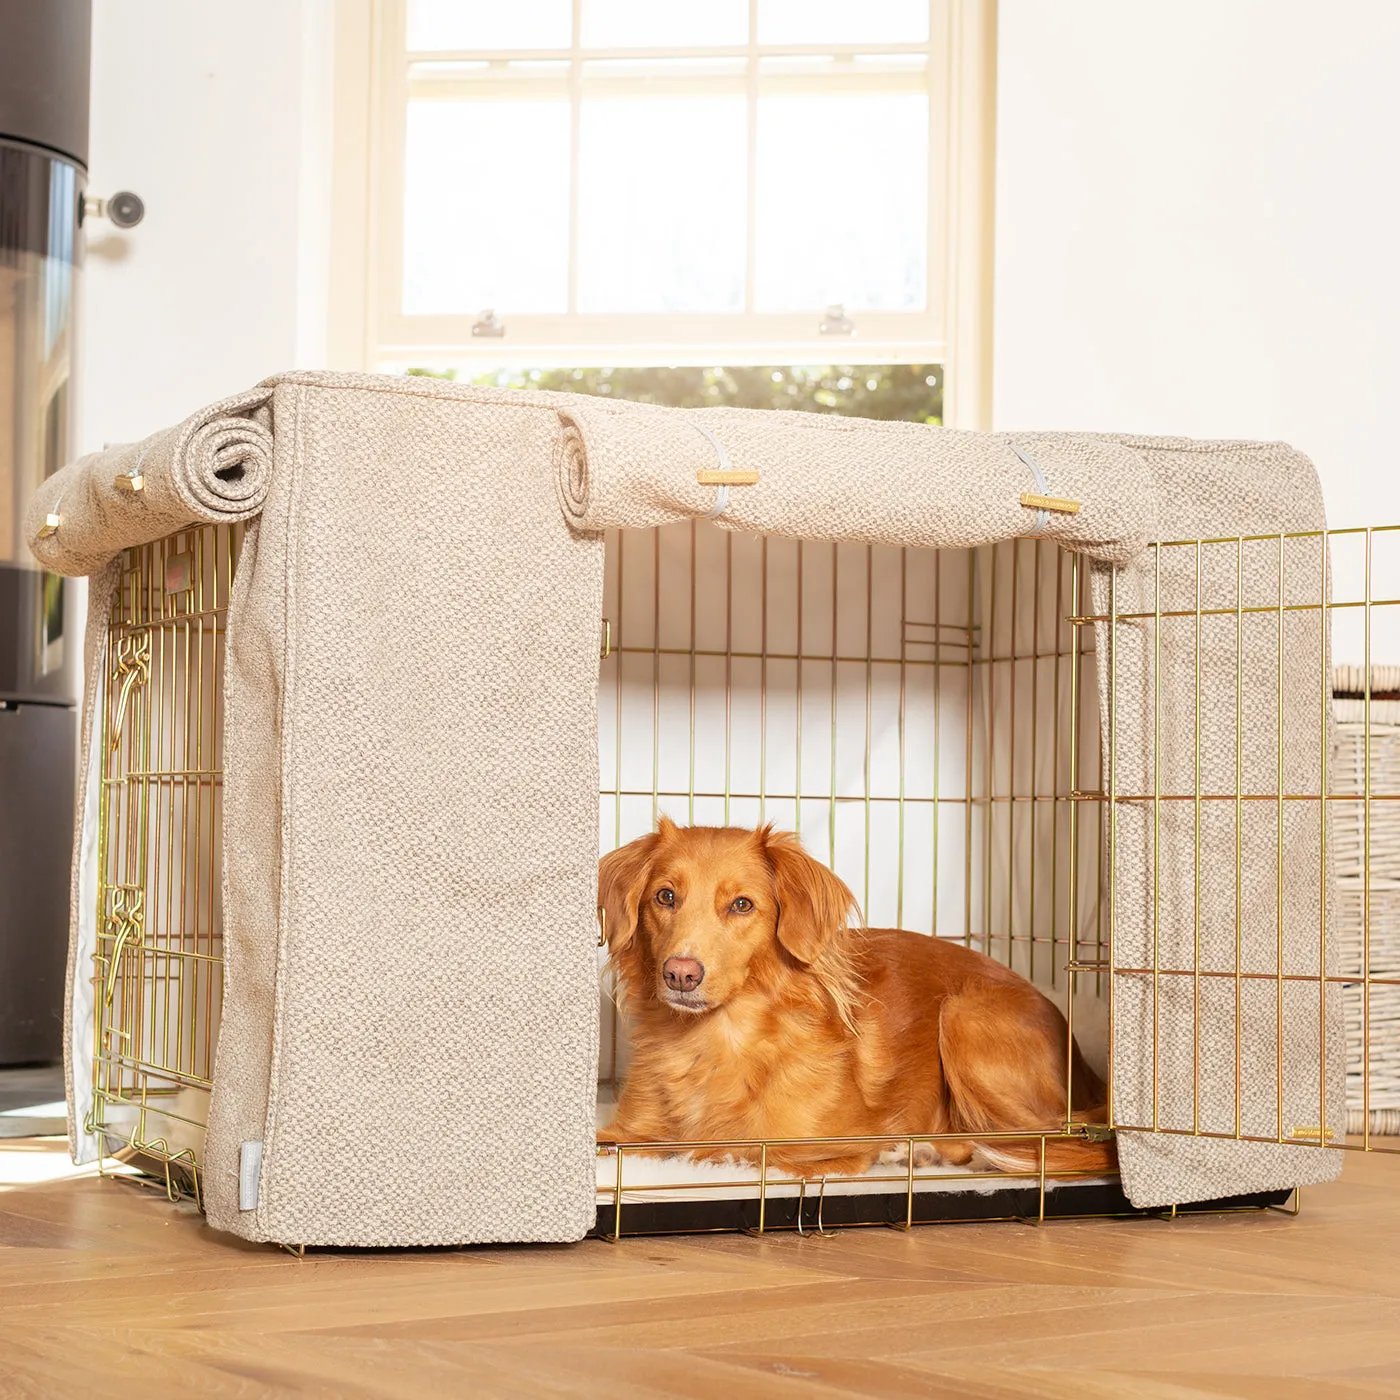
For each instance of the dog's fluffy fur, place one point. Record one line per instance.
(804, 1026)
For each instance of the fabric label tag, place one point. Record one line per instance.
(249, 1173)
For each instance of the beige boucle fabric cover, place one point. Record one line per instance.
(1208, 490)
(78, 1007)
(827, 477)
(409, 1024)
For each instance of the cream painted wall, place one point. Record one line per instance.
(219, 117)
(1198, 227)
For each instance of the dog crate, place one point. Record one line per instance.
(931, 723)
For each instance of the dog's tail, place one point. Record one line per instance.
(1064, 1156)
(1021, 1087)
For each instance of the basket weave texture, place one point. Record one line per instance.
(1372, 1014)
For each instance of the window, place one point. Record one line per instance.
(911, 393)
(629, 182)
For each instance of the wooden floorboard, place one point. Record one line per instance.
(106, 1288)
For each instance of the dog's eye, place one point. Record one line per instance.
(741, 905)
(666, 897)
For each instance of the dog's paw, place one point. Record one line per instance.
(926, 1154)
(814, 1168)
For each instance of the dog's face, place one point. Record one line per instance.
(694, 914)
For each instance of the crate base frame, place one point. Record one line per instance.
(811, 1215)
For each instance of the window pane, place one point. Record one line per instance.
(913, 393)
(645, 23)
(661, 204)
(489, 24)
(842, 202)
(486, 207)
(842, 22)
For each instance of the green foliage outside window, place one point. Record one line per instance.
(913, 393)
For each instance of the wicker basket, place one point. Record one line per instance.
(1381, 1009)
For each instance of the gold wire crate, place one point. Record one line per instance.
(929, 722)
(158, 965)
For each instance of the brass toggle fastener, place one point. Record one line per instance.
(720, 476)
(1061, 505)
(1312, 1133)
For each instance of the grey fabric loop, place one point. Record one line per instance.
(720, 506)
(1042, 516)
(721, 492)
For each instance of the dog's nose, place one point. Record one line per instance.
(683, 974)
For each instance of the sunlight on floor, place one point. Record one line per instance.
(29, 1161)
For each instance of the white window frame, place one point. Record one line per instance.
(368, 329)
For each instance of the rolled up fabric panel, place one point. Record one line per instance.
(215, 467)
(825, 477)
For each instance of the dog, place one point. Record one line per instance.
(760, 1011)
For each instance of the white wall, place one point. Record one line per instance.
(1198, 227)
(218, 115)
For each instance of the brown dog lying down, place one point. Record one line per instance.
(757, 1013)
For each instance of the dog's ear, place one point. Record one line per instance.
(813, 905)
(622, 876)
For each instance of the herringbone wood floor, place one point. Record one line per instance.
(106, 1289)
